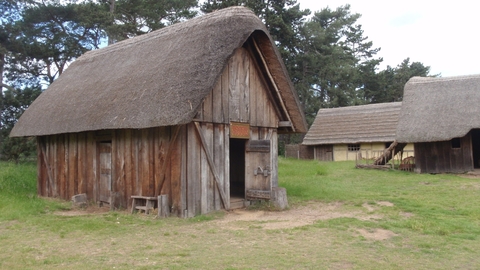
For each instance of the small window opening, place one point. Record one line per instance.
(353, 147)
(455, 143)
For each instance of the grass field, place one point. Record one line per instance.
(339, 218)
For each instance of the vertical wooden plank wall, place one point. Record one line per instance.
(240, 95)
(137, 159)
(202, 192)
(440, 157)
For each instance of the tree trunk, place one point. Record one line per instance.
(389, 153)
(111, 39)
(2, 64)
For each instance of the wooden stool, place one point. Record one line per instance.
(143, 203)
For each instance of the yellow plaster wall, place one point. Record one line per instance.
(341, 153)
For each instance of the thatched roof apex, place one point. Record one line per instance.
(354, 124)
(157, 79)
(439, 109)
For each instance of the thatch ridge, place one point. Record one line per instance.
(157, 79)
(354, 124)
(439, 109)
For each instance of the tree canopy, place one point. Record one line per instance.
(330, 60)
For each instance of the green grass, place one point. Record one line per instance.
(18, 193)
(441, 204)
(434, 221)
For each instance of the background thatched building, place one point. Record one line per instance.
(340, 133)
(191, 111)
(442, 117)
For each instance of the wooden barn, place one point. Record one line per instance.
(339, 134)
(442, 118)
(191, 111)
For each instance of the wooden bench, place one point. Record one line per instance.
(143, 203)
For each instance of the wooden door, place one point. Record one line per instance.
(105, 181)
(324, 152)
(258, 169)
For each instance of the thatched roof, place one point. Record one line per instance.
(354, 124)
(157, 79)
(439, 109)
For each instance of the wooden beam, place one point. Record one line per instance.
(212, 164)
(284, 124)
(273, 82)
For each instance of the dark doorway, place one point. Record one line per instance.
(237, 168)
(476, 148)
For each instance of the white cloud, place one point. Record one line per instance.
(439, 34)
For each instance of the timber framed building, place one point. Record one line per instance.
(441, 117)
(191, 111)
(339, 134)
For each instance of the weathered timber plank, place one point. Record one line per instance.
(169, 144)
(163, 209)
(210, 180)
(192, 172)
(157, 155)
(53, 171)
(82, 187)
(204, 174)
(173, 169)
(105, 171)
(274, 157)
(90, 165)
(262, 104)
(72, 165)
(210, 161)
(234, 90)
(144, 163)
(128, 159)
(182, 200)
(244, 84)
(138, 162)
(151, 162)
(119, 170)
(58, 171)
(95, 169)
(254, 88)
(217, 106)
(226, 94)
(458, 156)
(219, 160)
(208, 108)
(467, 150)
(226, 167)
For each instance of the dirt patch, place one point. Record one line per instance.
(376, 234)
(369, 207)
(295, 217)
(406, 214)
(385, 203)
(372, 207)
(83, 211)
(474, 186)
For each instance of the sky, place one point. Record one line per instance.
(441, 34)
